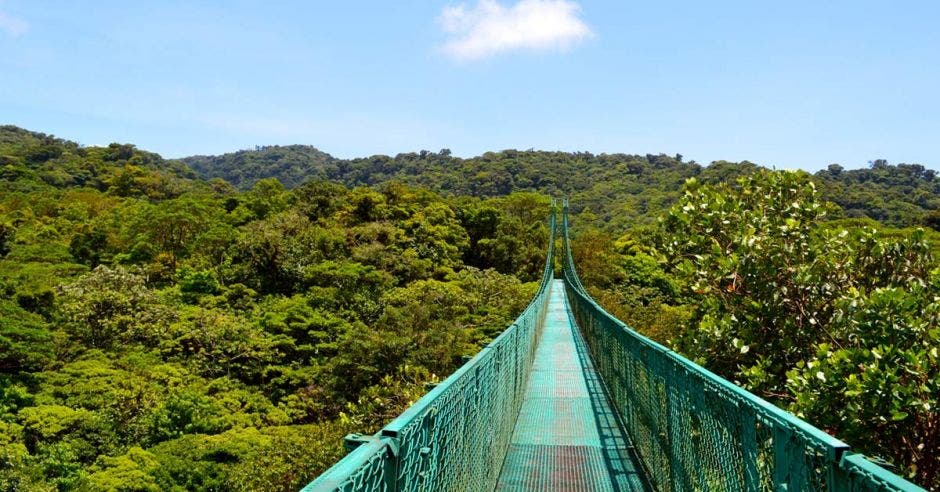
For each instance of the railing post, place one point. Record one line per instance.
(393, 465)
(750, 452)
(391, 462)
(781, 459)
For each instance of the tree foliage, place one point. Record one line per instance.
(163, 329)
(160, 332)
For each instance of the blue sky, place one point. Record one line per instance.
(785, 84)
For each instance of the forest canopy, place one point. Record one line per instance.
(220, 322)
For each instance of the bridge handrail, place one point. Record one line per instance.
(694, 430)
(456, 436)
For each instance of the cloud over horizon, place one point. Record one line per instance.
(491, 28)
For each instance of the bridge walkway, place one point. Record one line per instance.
(567, 437)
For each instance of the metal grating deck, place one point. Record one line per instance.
(567, 437)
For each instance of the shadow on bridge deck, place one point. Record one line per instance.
(567, 436)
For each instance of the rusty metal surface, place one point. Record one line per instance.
(567, 438)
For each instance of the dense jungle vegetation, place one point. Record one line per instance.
(219, 323)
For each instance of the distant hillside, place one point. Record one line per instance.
(901, 195)
(620, 189)
(31, 160)
(290, 164)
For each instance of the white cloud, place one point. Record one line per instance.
(14, 26)
(489, 27)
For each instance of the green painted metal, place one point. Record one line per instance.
(696, 431)
(455, 437)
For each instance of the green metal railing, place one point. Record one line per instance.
(694, 430)
(456, 436)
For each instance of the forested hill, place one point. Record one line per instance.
(620, 189)
(292, 165)
(163, 332)
(31, 160)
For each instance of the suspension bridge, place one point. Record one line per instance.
(569, 398)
